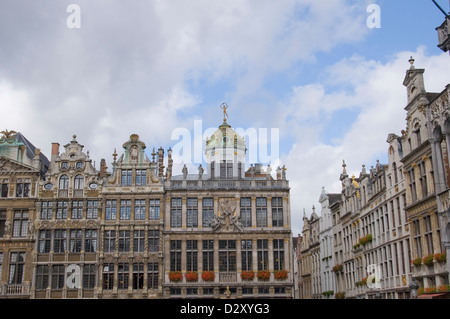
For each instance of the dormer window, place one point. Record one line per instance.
(65, 165)
(417, 134)
(79, 165)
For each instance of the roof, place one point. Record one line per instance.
(31, 151)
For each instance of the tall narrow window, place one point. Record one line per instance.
(16, 268)
(175, 255)
(141, 177)
(90, 241)
(108, 276)
(278, 254)
(153, 240)
(92, 209)
(191, 255)
(423, 179)
(138, 276)
(208, 212)
(152, 275)
(125, 209)
(78, 182)
(2, 222)
(417, 238)
(23, 187)
(124, 240)
(192, 212)
(429, 234)
(61, 210)
(75, 241)
(126, 177)
(45, 240)
(20, 223)
(111, 209)
(261, 212)
(89, 274)
(58, 274)
(246, 254)
(42, 277)
(139, 209)
(227, 255)
(109, 241)
(60, 241)
(263, 254)
(4, 188)
(138, 240)
(123, 275)
(246, 212)
(175, 212)
(277, 211)
(208, 255)
(77, 209)
(46, 210)
(154, 209)
(64, 182)
(412, 184)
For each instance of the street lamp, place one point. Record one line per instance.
(414, 287)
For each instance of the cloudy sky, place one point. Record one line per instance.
(312, 71)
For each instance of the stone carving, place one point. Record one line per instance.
(227, 219)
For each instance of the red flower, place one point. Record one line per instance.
(208, 276)
(247, 275)
(263, 275)
(175, 276)
(281, 274)
(191, 276)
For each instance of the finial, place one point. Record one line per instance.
(224, 107)
(74, 137)
(411, 61)
(153, 155)
(344, 166)
(114, 154)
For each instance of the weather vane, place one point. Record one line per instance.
(224, 107)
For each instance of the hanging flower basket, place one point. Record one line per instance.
(247, 275)
(263, 275)
(281, 275)
(208, 276)
(191, 276)
(175, 276)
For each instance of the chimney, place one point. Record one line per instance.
(103, 168)
(55, 151)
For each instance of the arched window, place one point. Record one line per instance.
(64, 182)
(79, 182)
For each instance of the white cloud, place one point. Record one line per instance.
(376, 92)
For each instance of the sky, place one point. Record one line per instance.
(318, 81)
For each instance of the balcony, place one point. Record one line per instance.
(15, 291)
(227, 277)
(227, 184)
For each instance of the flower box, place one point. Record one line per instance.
(365, 240)
(428, 260)
(281, 274)
(208, 276)
(263, 275)
(175, 276)
(440, 257)
(339, 295)
(417, 262)
(191, 276)
(247, 275)
(337, 268)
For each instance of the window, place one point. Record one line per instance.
(175, 255)
(42, 277)
(208, 255)
(65, 165)
(126, 177)
(124, 240)
(423, 179)
(77, 209)
(61, 211)
(138, 240)
(123, 275)
(111, 209)
(108, 276)
(429, 234)
(90, 241)
(278, 254)
(226, 170)
(208, 212)
(246, 212)
(45, 240)
(412, 184)
(16, 268)
(191, 255)
(109, 241)
(64, 182)
(154, 209)
(152, 276)
(138, 276)
(263, 254)
(2, 222)
(75, 241)
(125, 209)
(141, 177)
(261, 212)
(78, 182)
(227, 255)
(46, 210)
(60, 241)
(175, 212)
(89, 273)
(58, 274)
(23, 187)
(4, 188)
(153, 240)
(92, 209)
(417, 237)
(246, 253)
(192, 212)
(20, 223)
(139, 209)
(277, 212)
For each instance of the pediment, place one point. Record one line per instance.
(8, 165)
